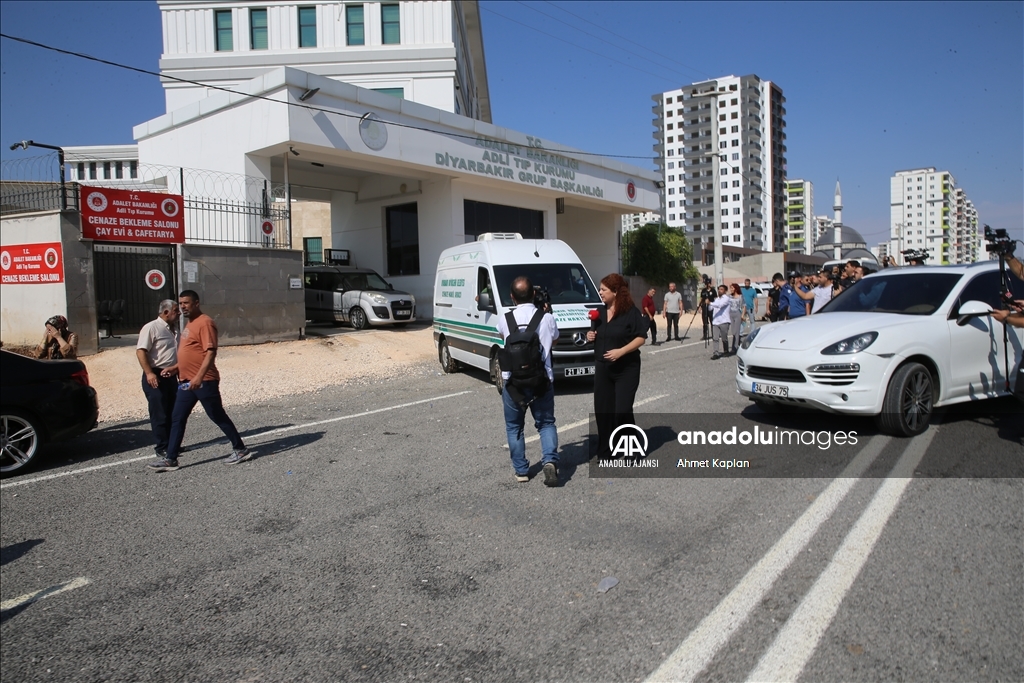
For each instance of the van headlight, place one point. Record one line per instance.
(377, 298)
(745, 344)
(850, 344)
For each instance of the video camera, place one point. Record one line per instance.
(541, 298)
(999, 242)
(915, 255)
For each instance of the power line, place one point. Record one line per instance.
(301, 105)
(617, 35)
(603, 40)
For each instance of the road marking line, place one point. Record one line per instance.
(798, 639)
(715, 630)
(580, 423)
(257, 435)
(29, 598)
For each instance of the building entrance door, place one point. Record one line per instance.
(131, 281)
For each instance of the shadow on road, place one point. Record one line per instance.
(14, 551)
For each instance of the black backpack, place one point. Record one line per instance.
(523, 354)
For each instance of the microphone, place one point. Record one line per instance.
(595, 317)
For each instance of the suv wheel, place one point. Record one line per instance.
(907, 408)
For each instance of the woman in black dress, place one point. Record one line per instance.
(617, 340)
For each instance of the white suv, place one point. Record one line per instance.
(895, 345)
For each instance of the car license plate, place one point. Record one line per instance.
(578, 372)
(770, 390)
(401, 311)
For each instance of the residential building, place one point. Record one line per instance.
(800, 235)
(740, 134)
(929, 212)
(427, 52)
(632, 221)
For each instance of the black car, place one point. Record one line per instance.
(41, 401)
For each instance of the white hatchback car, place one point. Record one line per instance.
(896, 345)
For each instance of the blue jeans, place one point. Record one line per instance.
(543, 409)
(185, 401)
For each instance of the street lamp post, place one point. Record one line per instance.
(25, 144)
(715, 163)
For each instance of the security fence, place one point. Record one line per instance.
(220, 208)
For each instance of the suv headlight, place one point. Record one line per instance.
(851, 344)
(377, 299)
(745, 344)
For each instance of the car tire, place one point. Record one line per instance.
(444, 355)
(909, 399)
(357, 316)
(499, 381)
(22, 440)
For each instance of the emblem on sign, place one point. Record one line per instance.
(373, 132)
(631, 190)
(155, 280)
(169, 207)
(97, 201)
(50, 257)
(268, 228)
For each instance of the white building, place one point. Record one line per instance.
(744, 128)
(800, 233)
(632, 221)
(407, 174)
(928, 212)
(107, 163)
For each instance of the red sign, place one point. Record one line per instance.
(31, 264)
(268, 228)
(155, 279)
(132, 215)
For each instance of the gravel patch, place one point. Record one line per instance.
(255, 374)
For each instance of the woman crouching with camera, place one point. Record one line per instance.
(617, 336)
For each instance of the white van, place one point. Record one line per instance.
(471, 291)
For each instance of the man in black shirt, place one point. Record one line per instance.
(707, 295)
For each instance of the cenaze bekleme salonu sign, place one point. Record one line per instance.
(529, 164)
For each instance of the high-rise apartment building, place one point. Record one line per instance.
(632, 221)
(929, 212)
(741, 121)
(800, 232)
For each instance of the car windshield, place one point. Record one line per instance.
(566, 283)
(897, 293)
(349, 281)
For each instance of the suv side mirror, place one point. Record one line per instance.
(972, 309)
(391, 287)
(484, 303)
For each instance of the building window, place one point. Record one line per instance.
(403, 237)
(354, 30)
(106, 171)
(671, 190)
(92, 170)
(394, 92)
(672, 205)
(223, 38)
(307, 27)
(735, 143)
(81, 170)
(389, 24)
(133, 169)
(725, 184)
(258, 29)
(118, 171)
(313, 249)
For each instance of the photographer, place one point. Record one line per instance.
(707, 295)
(529, 381)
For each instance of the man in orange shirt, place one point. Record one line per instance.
(198, 381)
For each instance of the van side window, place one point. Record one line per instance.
(312, 280)
(483, 281)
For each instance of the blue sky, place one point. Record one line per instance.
(871, 88)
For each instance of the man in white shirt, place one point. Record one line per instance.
(720, 322)
(823, 292)
(541, 402)
(157, 350)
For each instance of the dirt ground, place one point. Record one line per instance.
(254, 374)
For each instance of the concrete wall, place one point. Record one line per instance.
(246, 290)
(593, 235)
(80, 281)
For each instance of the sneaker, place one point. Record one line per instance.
(522, 478)
(716, 356)
(550, 474)
(163, 465)
(238, 456)
(162, 452)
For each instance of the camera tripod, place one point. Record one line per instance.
(692, 318)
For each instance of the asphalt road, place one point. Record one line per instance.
(379, 535)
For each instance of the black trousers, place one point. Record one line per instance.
(615, 386)
(161, 407)
(671, 321)
(654, 330)
(706, 316)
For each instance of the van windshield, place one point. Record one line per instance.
(343, 282)
(566, 283)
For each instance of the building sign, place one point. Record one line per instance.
(268, 228)
(155, 279)
(132, 215)
(32, 264)
(530, 164)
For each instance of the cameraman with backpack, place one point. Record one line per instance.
(529, 381)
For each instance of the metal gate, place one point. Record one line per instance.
(140, 276)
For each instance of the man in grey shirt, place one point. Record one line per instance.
(157, 350)
(671, 309)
